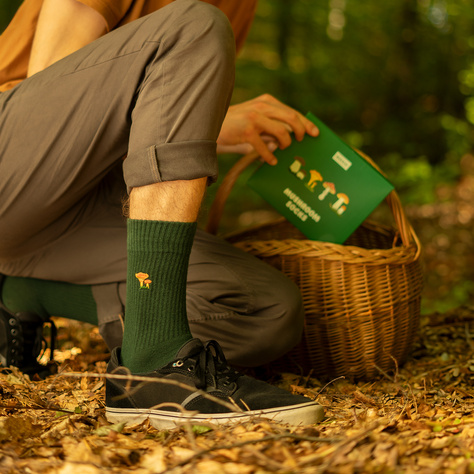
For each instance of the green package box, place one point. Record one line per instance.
(322, 186)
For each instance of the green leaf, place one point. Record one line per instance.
(102, 431)
(118, 427)
(105, 430)
(14, 380)
(201, 429)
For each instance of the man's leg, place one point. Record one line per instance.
(140, 91)
(165, 214)
(136, 91)
(49, 298)
(175, 120)
(160, 236)
(253, 310)
(250, 308)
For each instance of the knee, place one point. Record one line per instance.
(286, 322)
(276, 329)
(204, 26)
(214, 32)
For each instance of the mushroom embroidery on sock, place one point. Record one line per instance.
(143, 279)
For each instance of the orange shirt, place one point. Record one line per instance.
(16, 40)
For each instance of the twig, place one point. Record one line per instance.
(401, 413)
(39, 408)
(384, 373)
(267, 462)
(233, 407)
(255, 441)
(395, 361)
(329, 383)
(306, 379)
(190, 435)
(414, 399)
(346, 446)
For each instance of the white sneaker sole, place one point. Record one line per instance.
(302, 414)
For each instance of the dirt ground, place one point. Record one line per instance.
(419, 419)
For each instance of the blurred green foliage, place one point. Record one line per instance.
(394, 78)
(7, 10)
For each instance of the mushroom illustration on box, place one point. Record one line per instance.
(338, 205)
(321, 185)
(314, 178)
(329, 188)
(296, 166)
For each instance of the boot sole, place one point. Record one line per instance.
(11, 339)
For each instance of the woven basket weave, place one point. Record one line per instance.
(361, 299)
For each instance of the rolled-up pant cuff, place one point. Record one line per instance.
(170, 162)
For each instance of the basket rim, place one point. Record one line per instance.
(396, 255)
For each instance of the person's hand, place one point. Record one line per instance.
(262, 124)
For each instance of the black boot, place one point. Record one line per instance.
(21, 340)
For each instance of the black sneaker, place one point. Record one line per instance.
(199, 386)
(21, 341)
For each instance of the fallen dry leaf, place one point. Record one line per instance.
(419, 419)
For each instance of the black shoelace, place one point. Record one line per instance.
(212, 368)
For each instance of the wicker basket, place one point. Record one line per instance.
(361, 299)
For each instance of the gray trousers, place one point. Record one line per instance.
(154, 91)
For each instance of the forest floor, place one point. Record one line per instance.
(419, 418)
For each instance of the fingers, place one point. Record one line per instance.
(266, 134)
(264, 150)
(272, 108)
(280, 131)
(263, 123)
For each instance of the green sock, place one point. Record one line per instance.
(156, 323)
(49, 298)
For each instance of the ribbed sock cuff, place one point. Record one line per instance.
(155, 317)
(163, 235)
